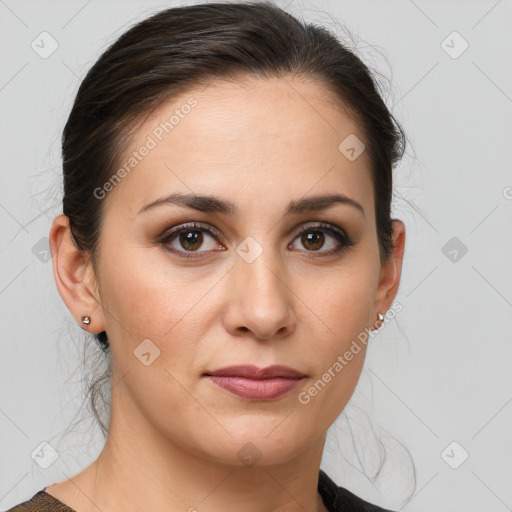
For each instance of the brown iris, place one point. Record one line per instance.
(191, 240)
(314, 238)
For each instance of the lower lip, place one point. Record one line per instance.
(256, 389)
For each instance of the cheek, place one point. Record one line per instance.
(342, 300)
(147, 298)
(338, 366)
(340, 310)
(142, 294)
(147, 302)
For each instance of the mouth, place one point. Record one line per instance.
(259, 384)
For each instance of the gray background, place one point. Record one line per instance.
(441, 373)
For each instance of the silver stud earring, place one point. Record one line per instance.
(381, 317)
(86, 320)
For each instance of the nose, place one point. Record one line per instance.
(260, 303)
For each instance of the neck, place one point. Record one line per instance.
(139, 469)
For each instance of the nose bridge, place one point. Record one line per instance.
(259, 266)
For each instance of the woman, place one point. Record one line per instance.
(226, 236)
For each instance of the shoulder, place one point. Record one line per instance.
(41, 502)
(338, 498)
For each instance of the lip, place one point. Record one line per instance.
(253, 383)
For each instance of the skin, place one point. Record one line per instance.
(174, 436)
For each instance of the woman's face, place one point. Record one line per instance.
(241, 286)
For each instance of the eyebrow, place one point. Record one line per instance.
(214, 204)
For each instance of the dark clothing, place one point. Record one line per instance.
(339, 499)
(335, 498)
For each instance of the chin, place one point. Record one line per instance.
(257, 443)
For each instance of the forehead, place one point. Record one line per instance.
(271, 137)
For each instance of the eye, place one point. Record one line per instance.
(313, 238)
(188, 238)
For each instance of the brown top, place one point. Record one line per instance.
(42, 502)
(335, 498)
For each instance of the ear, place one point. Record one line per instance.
(391, 271)
(74, 277)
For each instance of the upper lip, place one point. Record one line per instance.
(253, 372)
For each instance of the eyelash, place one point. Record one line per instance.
(323, 227)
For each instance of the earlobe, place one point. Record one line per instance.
(74, 276)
